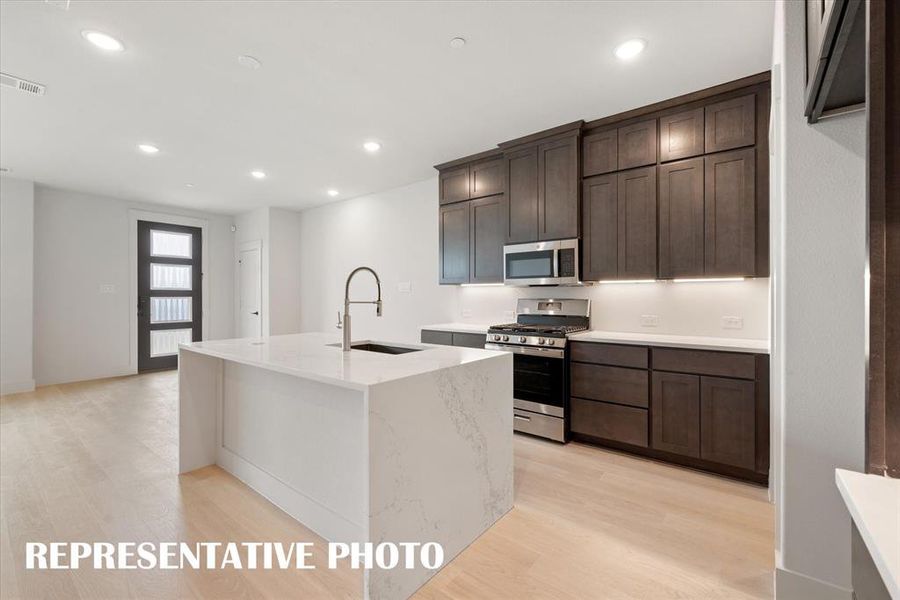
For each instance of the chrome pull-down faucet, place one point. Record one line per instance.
(347, 302)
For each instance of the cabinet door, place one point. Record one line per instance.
(731, 124)
(675, 413)
(558, 189)
(486, 178)
(727, 421)
(600, 245)
(454, 243)
(486, 240)
(730, 205)
(637, 144)
(681, 135)
(681, 219)
(600, 153)
(454, 185)
(521, 214)
(637, 224)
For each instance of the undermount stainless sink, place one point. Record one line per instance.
(382, 348)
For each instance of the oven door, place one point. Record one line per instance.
(541, 263)
(539, 382)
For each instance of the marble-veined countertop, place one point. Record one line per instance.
(312, 356)
(674, 341)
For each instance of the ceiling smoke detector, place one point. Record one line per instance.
(22, 85)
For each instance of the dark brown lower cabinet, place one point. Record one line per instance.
(728, 421)
(454, 338)
(603, 420)
(676, 413)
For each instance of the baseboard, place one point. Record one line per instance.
(16, 387)
(790, 585)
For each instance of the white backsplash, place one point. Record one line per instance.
(691, 308)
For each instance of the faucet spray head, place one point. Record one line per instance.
(378, 308)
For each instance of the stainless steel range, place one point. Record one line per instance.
(540, 379)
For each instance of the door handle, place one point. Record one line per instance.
(255, 312)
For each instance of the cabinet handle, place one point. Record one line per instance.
(521, 418)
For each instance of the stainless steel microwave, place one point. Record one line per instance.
(541, 263)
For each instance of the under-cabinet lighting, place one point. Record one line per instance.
(481, 284)
(708, 279)
(627, 281)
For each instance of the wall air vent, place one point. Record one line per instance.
(23, 85)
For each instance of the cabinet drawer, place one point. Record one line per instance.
(444, 338)
(609, 421)
(611, 384)
(703, 362)
(469, 340)
(610, 354)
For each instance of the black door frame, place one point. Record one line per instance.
(144, 258)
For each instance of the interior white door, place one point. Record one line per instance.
(249, 273)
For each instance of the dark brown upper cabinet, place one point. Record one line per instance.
(486, 240)
(453, 233)
(636, 190)
(637, 144)
(486, 178)
(543, 191)
(600, 218)
(454, 185)
(558, 208)
(600, 152)
(681, 135)
(681, 219)
(521, 211)
(730, 213)
(728, 421)
(675, 414)
(731, 124)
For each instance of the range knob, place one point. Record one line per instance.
(551, 342)
(522, 339)
(505, 338)
(541, 341)
(496, 338)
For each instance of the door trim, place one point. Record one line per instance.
(135, 215)
(264, 321)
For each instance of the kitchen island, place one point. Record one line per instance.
(359, 446)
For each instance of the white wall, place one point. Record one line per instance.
(16, 285)
(682, 308)
(819, 225)
(395, 233)
(81, 241)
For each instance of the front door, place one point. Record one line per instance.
(169, 308)
(249, 284)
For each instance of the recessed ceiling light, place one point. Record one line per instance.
(103, 41)
(251, 62)
(630, 49)
(258, 174)
(457, 42)
(372, 146)
(333, 193)
(190, 185)
(148, 148)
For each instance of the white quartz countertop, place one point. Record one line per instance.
(457, 327)
(874, 504)
(675, 341)
(310, 356)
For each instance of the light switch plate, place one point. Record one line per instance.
(732, 322)
(404, 287)
(649, 320)
(108, 288)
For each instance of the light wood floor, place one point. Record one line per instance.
(96, 461)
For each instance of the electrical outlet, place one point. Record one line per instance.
(404, 287)
(466, 313)
(509, 316)
(649, 320)
(732, 322)
(108, 288)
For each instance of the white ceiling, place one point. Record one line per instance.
(333, 75)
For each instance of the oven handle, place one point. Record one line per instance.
(546, 352)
